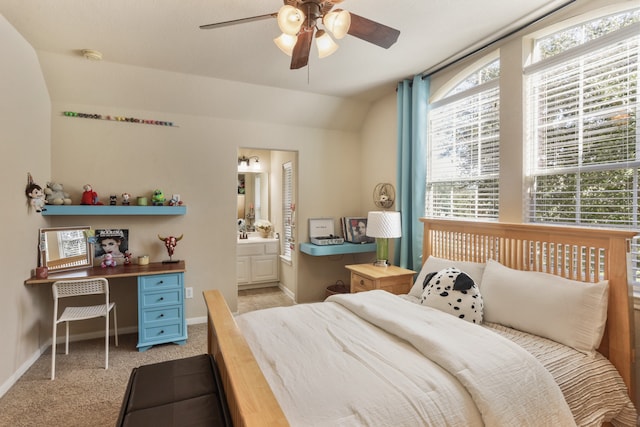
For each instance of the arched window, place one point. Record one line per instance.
(463, 148)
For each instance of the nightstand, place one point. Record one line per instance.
(365, 277)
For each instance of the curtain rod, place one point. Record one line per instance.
(428, 72)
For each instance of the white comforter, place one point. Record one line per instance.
(328, 366)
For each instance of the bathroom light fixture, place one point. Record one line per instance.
(245, 165)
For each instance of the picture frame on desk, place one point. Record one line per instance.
(355, 230)
(114, 241)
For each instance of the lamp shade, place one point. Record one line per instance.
(290, 19)
(325, 44)
(286, 43)
(385, 224)
(337, 22)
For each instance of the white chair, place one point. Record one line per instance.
(73, 288)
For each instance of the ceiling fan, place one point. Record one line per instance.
(299, 21)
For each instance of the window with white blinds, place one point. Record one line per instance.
(584, 156)
(463, 157)
(288, 210)
(584, 152)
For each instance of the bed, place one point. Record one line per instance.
(256, 357)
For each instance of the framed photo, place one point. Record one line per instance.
(355, 229)
(114, 241)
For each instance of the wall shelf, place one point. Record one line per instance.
(345, 248)
(81, 210)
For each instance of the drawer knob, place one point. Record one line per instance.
(362, 282)
(161, 314)
(160, 282)
(161, 298)
(162, 331)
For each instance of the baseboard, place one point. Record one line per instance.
(6, 386)
(287, 292)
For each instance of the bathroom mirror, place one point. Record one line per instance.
(253, 196)
(64, 248)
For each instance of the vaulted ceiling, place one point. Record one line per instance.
(165, 35)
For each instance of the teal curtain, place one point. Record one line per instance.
(412, 169)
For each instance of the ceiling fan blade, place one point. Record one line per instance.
(238, 21)
(372, 32)
(300, 55)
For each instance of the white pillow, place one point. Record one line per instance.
(566, 311)
(435, 264)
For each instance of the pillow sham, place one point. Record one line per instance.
(454, 292)
(434, 264)
(570, 312)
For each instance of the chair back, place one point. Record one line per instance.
(72, 288)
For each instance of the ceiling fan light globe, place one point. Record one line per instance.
(286, 43)
(290, 19)
(337, 22)
(325, 44)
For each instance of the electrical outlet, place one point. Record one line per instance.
(188, 292)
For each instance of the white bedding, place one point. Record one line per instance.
(324, 370)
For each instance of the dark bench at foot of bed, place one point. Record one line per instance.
(182, 392)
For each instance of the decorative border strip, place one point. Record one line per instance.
(118, 119)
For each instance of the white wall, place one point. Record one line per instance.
(197, 158)
(24, 147)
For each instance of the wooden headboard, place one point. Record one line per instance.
(585, 254)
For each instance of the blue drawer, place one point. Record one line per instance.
(168, 314)
(160, 281)
(163, 333)
(154, 299)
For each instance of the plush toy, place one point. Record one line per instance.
(125, 199)
(55, 194)
(108, 261)
(454, 292)
(158, 198)
(89, 197)
(35, 195)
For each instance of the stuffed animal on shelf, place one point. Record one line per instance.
(55, 194)
(35, 195)
(125, 199)
(158, 198)
(89, 197)
(108, 261)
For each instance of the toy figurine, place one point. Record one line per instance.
(127, 257)
(158, 198)
(89, 197)
(125, 199)
(108, 261)
(175, 200)
(113, 200)
(35, 195)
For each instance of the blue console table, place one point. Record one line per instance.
(345, 248)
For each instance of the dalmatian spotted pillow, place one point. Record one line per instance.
(454, 292)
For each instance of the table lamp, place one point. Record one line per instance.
(383, 225)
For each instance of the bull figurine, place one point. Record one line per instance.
(170, 242)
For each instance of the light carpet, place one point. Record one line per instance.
(84, 393)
